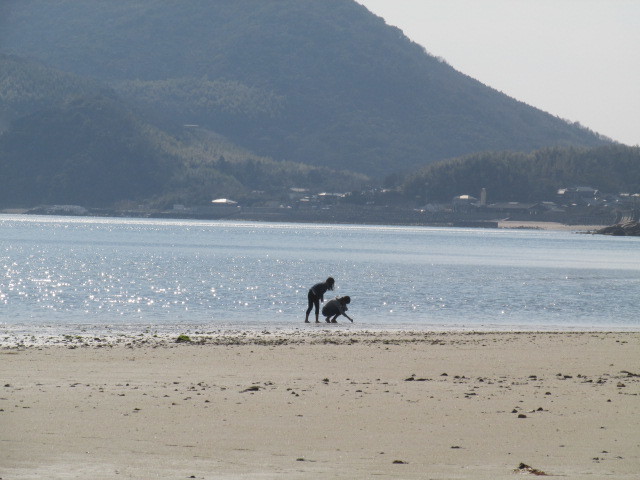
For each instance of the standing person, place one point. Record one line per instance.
(316, 295)
(336, 307)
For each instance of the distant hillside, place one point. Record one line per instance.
(510, 176)
(27, 86)
(324, 83)
(64, 139)
(85, 149)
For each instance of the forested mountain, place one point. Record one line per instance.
(26, 87)
(325, 83)
(512, 176)
(76, 158)
(65, 139)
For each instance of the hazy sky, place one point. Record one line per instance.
(576, 59)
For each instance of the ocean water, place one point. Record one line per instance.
(77, 273)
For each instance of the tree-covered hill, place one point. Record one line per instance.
(27, 86)
(512, 176)
(87, 148)
(64, 139)
(324, 83)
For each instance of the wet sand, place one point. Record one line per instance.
(329, 404)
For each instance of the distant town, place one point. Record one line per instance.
(572, 206)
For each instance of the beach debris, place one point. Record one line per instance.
(399, 462)
(183, 339)
(252, 388)
(524, 468)
(413, 378)
(522, 415)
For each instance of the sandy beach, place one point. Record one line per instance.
(323, 403)
(547, 226)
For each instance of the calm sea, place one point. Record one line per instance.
(68, 273)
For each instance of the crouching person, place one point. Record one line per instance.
(336, 307)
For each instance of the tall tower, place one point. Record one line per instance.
(483, 196)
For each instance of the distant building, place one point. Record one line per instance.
(298, 193)
(435, 208)
(578, 195)
(330, 198)
(463, 203)
(61, 210)
(518, 208)
(218, 202)
(464, 199)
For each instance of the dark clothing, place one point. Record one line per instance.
(319, 289)
(315, 295)
(333, 307)
(314, 301)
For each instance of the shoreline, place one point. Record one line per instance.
(501, 224)
(79, 337)
(555, 226)
(339, 404)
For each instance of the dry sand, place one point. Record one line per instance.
(329, 404)
(548, 226)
